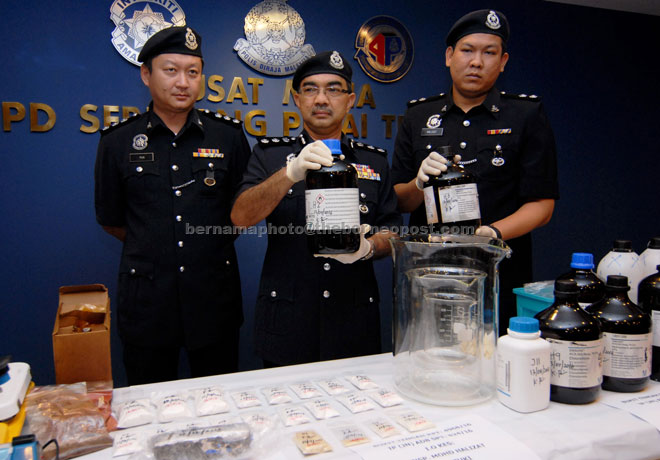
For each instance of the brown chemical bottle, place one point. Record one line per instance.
(648, 296)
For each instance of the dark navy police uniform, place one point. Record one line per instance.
(178, 277)
(314, 308)
(507, 143)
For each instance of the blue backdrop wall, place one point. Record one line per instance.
(595, 70)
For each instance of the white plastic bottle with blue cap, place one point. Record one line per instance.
(621, 260)
(523, 366)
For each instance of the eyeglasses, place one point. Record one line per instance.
(330, 91)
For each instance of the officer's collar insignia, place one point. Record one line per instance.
(336, 61)
(444, 109)
(140, 142)
(208, 153)
(149, 125)
(493, 21)
(494, 108)
(434, 121)
(191, 40)
(366, 172)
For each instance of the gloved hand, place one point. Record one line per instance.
(489, 231)
(313, 156)
(363, 250)
(433, 165)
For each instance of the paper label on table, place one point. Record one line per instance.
(463, 437)
(645, 405)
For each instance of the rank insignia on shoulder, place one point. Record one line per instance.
(492, 132)
(366, 172)
(208, 153)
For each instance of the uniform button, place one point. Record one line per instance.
(228, 263)
(273, 293)
(180, 244)
(177, 193)
(139, 169)
(211, 165)
(428, 146)
(178, 218)
(466, 123)
(132, 271)
(173, 144)
(326, 266)
(463, 145)
(290, 191)
(371, 299)
(498, 147)
(182, 269)
(175, 167)
(326, 294)
(363, 196)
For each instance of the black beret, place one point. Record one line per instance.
(325, 62)
(176, 40)
(479, 22)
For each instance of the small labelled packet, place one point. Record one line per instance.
(321, 409)
(362, 382)
(310, 443)
(306, 390)
(411, 420)
(276, 395)
(356, 402)
(333, 386)
(135, 412)
(210, 401)
(350, 435)
(385, 397)
(382, 427)
(294, 415)
(171, 406)
(246, 398)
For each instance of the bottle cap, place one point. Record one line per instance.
(334, 145)
(654, 243)
(622, 246)
(523, 324)
(582, 260)
(619, 282)
(566, 287)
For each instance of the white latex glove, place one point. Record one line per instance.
(313, 156)
(486, 230)
(363, 250)
(433, 165)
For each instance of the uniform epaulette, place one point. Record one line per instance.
(123, 122)
(425, 99)
(270, 141)
(218, 116)
(523, 97)
(373, 148)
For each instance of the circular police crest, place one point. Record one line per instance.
(274, 41)
(140, 142)
(434, 121)
(138, 20)
(492, 20)
(336, 61)
(385, 49)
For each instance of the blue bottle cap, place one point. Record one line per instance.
(334, 145)
(582, 260)
(523, 324)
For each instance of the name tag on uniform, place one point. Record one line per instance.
(208, 153)
(432, 131)
(365, 172)
(139, 157)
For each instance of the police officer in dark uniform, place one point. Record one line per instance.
(316, 308)
(505, 140)
(164, 186)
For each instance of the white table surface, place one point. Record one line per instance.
(593, 431)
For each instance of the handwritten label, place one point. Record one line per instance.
(576, 364)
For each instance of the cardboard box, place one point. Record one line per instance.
(82, 356)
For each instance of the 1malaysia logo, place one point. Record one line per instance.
(385, 49)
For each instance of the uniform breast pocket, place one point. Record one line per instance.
(497, 158)
(142, 182)
(211, 176)
(291, 209)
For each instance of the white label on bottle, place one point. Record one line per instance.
(656, 327)
(332, 208)
(459, 202)
(429, 203)
(627, 355)
(576, 364)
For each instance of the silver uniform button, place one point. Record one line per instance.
(466, 123)
(326, 294)
(178, 193)
(175, 167)
(227, 262)
(326, 266)
(180, 244)
(290, 191)
(273, 293)
(363, 196)
(132, 271)
(139, 169)
(463, 145)
(178, 218)
(371, 299)
(182, 269)
(211, 165)
(173, 144)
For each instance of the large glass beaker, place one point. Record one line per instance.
(445, 317)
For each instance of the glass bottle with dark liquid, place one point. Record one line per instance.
(592, 289)
(649, 301)
(576, 363)
(332, 206)
(451, 199)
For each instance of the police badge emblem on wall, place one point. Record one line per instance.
(385, 49)
(275, 35)
(138, 20)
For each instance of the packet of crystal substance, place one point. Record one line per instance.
(309, 443)
(333, 386)
(362, 382)
(171, 406)
(321, 409)
(385, 397)
(294, 415)
(349, 435)
(128, 442)
(246, 398)
(276, 395)
(356, 402)
(260, 422)
(134, 412)
(212, 442)
(382, 427)
(305, 390)
(411, 420)
(210, 401)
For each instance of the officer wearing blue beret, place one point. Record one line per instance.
(164, 182)
(505, 140)
(316, 308)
